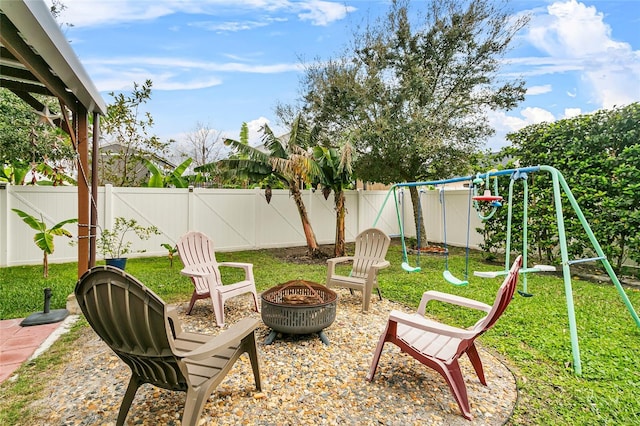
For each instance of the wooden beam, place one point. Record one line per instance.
(93, 230)
(22, 86)
(39, 106)
(82, 127)
(11, 39)
(16, 70)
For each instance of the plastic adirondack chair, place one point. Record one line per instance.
(369, 257)
(438, 345)
(199, 258)
(146, 334)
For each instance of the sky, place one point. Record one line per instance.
(219, 63)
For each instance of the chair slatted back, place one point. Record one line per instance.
(503, 298)
(196, 248)
(371, 246)
(130, 318)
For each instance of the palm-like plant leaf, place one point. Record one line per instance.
(58, 229)
(44, 241)
(156, 180)
(34, 223)
(176, 176)
(272, 143)
(44, 237)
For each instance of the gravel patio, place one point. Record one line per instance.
(304, 381)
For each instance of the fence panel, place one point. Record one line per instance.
(234, 219)
(50, 204)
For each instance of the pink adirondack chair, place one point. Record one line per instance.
(368, 258)
(199, 259)
(438, 345)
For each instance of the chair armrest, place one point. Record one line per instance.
(194, 271)
(244, 266)
(248, 268)
(337, 260)
(331, 264)
(380, 265)
(422, 323)
(430, 295)
(221, 342)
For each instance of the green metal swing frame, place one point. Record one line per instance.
(559, 186)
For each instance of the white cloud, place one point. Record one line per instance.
(108, 79)
(503, 123)
(533, 115)
(84, 13)
(576, 38)
(231, 26)
(235, 26)
(572, 112)
(539, 90)
(571, 29)
(323, 12)
(115, 74)
(254, 126)
(255, 131)
(189, 64)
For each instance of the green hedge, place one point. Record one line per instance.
(599, 156)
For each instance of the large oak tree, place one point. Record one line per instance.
(413, 90)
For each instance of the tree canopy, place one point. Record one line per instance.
(414, 90)
(27, 140)
(129, 127)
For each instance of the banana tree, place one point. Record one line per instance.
(337, 175)
(160, 180)
(44, 237)
(289, 160)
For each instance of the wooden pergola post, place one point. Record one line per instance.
(82, 127)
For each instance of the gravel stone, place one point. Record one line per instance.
(304, 381)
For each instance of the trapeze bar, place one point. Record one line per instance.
(495, 274)
(590, 259)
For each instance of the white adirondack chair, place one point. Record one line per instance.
(199, 259)
(369, 257)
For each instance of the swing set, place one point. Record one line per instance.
(495, 202)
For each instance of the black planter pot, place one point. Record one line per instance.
(119, 262)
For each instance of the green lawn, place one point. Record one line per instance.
(532, 336)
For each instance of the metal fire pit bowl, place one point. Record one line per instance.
(316, 313)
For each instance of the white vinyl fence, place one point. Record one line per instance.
(236, 219)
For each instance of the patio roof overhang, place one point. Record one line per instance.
(36, 59)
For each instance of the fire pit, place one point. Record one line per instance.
(298, 307)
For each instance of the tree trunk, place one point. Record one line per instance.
(418, 217)
(312, 243)
(339, 247)
(45, 265)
